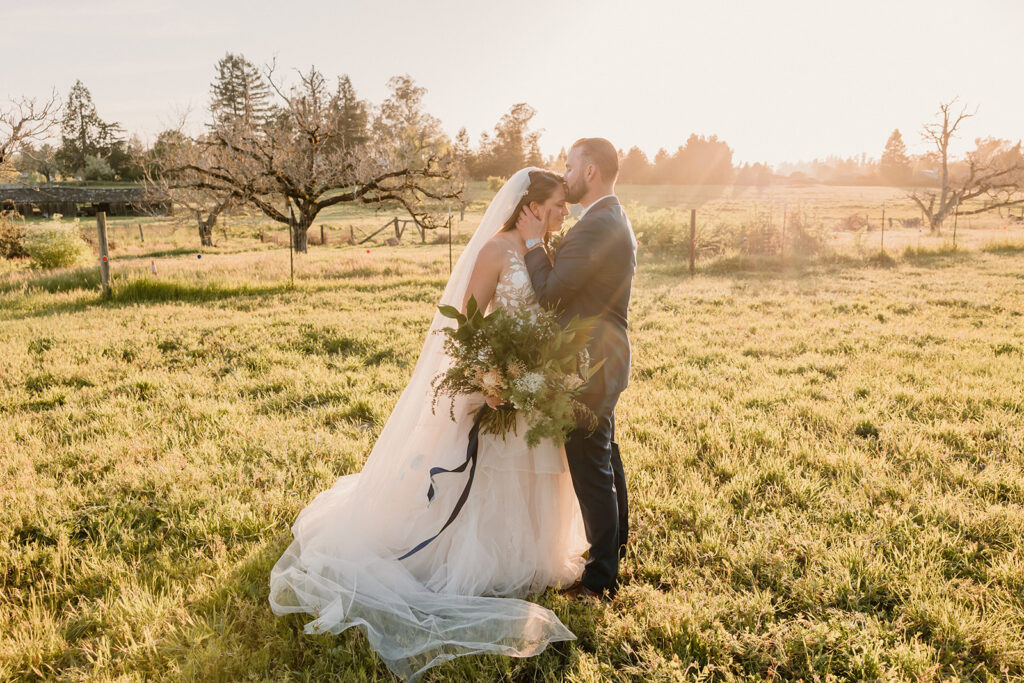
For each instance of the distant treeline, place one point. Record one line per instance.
(701, 160)
(93, 149)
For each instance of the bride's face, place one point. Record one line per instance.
(558, 210)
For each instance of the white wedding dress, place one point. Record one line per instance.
(519, 531)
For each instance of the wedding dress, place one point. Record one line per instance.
(519, 531)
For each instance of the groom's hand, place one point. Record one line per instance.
(530, 226)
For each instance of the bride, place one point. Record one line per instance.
(367, 551)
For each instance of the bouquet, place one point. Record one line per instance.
(525, 358)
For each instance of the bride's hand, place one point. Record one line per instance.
(531, 226)
(494, 402)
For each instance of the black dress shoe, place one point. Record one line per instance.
(578, 590)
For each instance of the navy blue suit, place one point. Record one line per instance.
(592, 275)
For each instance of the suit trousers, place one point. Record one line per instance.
(600, 483)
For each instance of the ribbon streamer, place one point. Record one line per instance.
(471, 458)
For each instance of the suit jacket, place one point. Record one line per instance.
(592, 276)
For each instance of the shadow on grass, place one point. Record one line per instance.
(144, 290)
(254, 640)
(231, 633)
(53, 283)
(148, 290)
(1003, 248)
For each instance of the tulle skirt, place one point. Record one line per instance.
(519, 532)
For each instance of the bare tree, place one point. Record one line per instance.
(24, 120)
(304, 158)
(166, 176)
(994, 171)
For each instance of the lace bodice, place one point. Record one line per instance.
(514, 289)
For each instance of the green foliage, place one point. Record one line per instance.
(239, 95)
(97, 169)
(55, 245)
(495, 183)
(512, 146)
(12, 237)
(666, 232)
(84, 134)
(525, 358)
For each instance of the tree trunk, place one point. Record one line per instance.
(205, 234)
(205, 230)
(299, 232)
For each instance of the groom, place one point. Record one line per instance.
(591, 276)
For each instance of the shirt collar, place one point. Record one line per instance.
(584, 212)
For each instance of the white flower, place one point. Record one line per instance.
(530, 383)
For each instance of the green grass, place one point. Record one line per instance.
(825, 467)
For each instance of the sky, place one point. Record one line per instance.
(778, 80)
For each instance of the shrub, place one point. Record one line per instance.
(661, 229)
(494, 183)
(97, 169)
(12, 237)
(805, 238)
(667, 232)
(55, 245)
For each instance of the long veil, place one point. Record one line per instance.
(342, 564)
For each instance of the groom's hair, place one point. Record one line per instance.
(602, 154)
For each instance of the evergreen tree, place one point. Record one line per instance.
(83, 133)
(511, 147)
(634, 167)
(661, 167)
(239, 95)
(463, 153)
(353, 115)
(895, 164)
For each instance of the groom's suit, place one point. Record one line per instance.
(592, 276)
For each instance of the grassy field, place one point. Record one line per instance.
(834, 211)
(826, 464)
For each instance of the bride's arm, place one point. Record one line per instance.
(485, 275)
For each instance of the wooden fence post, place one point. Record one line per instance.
(323, 235)
(291, 245)
(956, 215)
(351, 234)
(101, 229)
(882, 250)
(142, 238)
(693, 241)
(782, 240)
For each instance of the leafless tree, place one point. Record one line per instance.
(166, 176)
(25, 119)
(300, 161)
(994, 171)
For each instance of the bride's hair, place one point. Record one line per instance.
(542, 185)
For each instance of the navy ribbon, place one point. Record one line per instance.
(471, 453)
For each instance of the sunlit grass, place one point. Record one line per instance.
(825, 466)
